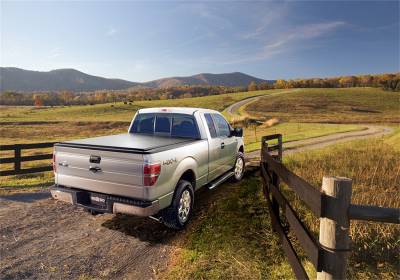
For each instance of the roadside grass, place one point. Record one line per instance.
(118, 111)
(293, 132)
(374, 167)
(231, 238)
(344, 105)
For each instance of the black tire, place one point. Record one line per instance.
(170, 216)
(235, 177)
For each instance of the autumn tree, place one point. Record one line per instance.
(252, 86)
(67, 97)
(37, 100)
(281, 84)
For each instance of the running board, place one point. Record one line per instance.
(220, 180)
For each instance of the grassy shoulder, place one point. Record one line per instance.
(345, 105)
(231, 237)
(118, 111)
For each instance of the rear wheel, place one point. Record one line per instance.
(238, 169)
(178, 214)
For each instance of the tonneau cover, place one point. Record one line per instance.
(127, 142)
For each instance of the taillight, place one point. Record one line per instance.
(151, 173)
(54, 162)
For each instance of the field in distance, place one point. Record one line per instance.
(119, 111)
(343, 105)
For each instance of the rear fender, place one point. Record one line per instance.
(184, 165)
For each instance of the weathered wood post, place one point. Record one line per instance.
(17, 156)
(334, 228)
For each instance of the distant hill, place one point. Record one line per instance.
(226, 79)
(16, 79)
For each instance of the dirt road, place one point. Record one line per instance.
(323, 141)
(44, 239)
(233, 109)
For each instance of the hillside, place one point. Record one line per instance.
(227, 79)
(16, 79)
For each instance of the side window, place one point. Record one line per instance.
(222, 126)
(210, 125)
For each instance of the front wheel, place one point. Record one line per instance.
(178, 214)
(238, 169)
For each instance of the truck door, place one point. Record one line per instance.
(215, 164)
(228, 144)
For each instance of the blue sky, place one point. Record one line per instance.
(141, 41)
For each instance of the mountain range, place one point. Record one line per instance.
(17, 79)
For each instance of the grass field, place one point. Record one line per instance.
(231, 236)
(118, 111)
(234, 239)
(348, 105)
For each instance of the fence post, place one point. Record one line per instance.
(17, 156)
(334, 228)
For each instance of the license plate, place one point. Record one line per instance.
(98, 200)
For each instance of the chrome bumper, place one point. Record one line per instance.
(111, 204)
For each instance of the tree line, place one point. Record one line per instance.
(385, 81)
(38, 99)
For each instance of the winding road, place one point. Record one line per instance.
(233, 109)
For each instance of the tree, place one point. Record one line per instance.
(67, 97)
(280, 84)
(37, 100)
(252, 86)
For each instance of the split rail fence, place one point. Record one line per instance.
(17, 159)
(332, 204)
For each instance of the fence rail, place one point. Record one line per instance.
(332, 205)
(18, 159)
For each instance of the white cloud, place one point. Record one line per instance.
(293, 38)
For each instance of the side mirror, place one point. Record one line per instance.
(237, 131)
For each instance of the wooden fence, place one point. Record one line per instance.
(17, 159)
(332, 205)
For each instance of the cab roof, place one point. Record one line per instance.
(177, 110)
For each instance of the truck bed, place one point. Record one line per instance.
(128, 142)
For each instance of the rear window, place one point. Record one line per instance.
(164, 124)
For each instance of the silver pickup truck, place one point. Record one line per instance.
(154, 169)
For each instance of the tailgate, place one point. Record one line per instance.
(101, 171)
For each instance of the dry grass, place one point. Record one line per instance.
(347, 105)
(374, 167)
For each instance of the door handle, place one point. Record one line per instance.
(94, 169)
(222, 145)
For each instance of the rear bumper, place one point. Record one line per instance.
(105, 203)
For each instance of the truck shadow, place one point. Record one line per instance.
(26, 197)
(149, 230)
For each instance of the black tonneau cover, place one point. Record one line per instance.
(128, 143)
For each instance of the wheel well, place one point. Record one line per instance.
(189, 175)
(241, 149)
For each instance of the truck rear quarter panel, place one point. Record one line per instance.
(174, 163)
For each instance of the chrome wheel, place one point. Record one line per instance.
(239, 167)
(184, 206)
